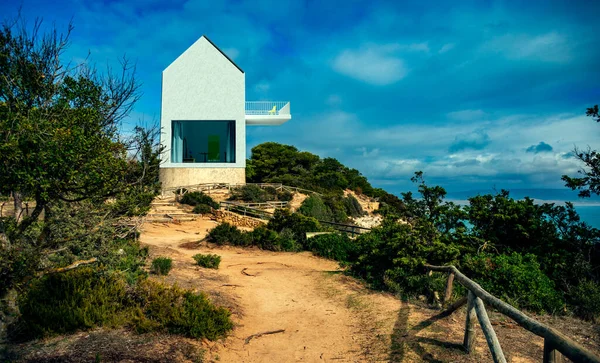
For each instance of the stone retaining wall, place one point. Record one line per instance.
(237, 220)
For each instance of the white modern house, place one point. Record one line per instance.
(204, 114)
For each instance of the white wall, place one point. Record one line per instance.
(202, 84)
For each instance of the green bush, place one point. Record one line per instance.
(65, 302)
(161, 265)
(266, 239)
(177, 311)
(227, 233)
(353, 207)
(89, 297)
(335, 246)
(196, 198)
(250, 193)
(515, 278)
(585, 300)
(202, 209)
(287, 241)
(207, 261)
(314, 206)
(393, 255)
(285, 196)
(297, 223)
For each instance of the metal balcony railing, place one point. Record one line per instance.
(266, 108)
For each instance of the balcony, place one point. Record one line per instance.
(267, 113)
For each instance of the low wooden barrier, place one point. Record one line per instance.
(210, 187)
(556, 344)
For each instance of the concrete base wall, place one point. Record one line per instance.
(178, 177)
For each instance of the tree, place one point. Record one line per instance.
(59, 124)
(590, 181)
(60, 146)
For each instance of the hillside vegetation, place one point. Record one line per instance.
(75, 262)
(539, 257)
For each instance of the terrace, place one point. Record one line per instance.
(267, 113)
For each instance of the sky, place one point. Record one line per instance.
(478, 95)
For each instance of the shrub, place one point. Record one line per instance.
(335, 246)
(392, 256)
(161, 265)
(353, 207)
(314, 206)
(202, 209)
(196, 198)
(250, 193)
(64, 302)
(295, 222)
(266, 239)
(89, 297)
(515, 278)
(177, 311)
(585, 300)
(287, 241)
(207, 261)
(285, 196)
(227, 233)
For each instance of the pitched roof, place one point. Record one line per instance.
(213, 44)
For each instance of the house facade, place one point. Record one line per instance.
(204, 114)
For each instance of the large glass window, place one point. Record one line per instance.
(203, 142)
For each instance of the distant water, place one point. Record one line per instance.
(589, 214)
(588, 208)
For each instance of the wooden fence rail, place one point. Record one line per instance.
(555, 343)
(209, 187)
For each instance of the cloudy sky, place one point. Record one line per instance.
(477, 94)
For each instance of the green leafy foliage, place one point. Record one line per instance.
(197, 198)
(255, 194)
(589, 181)
(276, 163)
(516, 279)
(208, 260)
(313, 206)
(334, 246)
(296, 223)
(227, 233)
(89, 297)
(584, 298)
(353, 207)
(202, 209)
(162, 265)
(178, 311)
(393, 255)
(79, 299)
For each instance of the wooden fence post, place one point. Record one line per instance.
(469, 340)
(449, 286)
(488, 331)
(551, 355)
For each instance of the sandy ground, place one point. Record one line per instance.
(326, 316)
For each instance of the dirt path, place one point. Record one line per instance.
(326, 316)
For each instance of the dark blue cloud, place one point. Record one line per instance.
(542, 147)
(476, 140)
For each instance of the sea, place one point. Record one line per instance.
(587, 208)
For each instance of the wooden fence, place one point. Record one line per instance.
(556, 344)
(210, 187)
